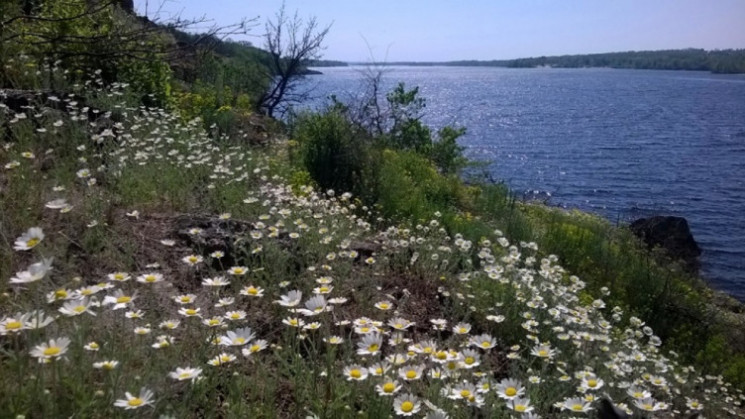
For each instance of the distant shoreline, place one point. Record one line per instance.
(730, 61)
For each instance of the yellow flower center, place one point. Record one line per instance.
(470, 360)
(407, 406)
(224, 358)
(32, 242)
(255, 348)
(150, 278)
(119, 277)
(638, 395)
(253, 291)
(441, 355)
(485, 344)
(364, 329)
(410, 374)
(355, 373)
(52, 351)
(185, 299)
(648, 407)
(13, 325)
(543, 353)
(373, 348)
(135, 402)
(520, 407)
(60, 294)
(577, 407)
(592, 383)
(192, 259)
(240, 340)
(379, 371)
(695, 404)
(398, 326)
(462, 330)
(108, 366)
(294, 322)
(86, 292)
(465, 393)
(427, 350)
(184, 375)
(389, 387)
(79, 309)
(191, 312)
(214, 322)
(123, 299)
(94, 345)
(324, 289)
(235, 316)
(510, 391)
(657, 381)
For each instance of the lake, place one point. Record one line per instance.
(620, 143)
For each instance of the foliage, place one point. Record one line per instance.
(138, 201)
(446, 154)
(716, 61)
(335, 155)
(411, 188)
(412, 180)
(82, 37)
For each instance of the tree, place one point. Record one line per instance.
(94, 35)
(291, 42)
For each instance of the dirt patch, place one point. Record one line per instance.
(418, 297)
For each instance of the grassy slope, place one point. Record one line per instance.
(160, 179)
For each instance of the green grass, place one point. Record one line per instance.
(429, 248)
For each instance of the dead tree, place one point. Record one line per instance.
(291, 42)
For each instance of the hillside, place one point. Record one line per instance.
(157, 269)
(167, 252)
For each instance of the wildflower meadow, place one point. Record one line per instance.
(151, 270)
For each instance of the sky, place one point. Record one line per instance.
(448, 30)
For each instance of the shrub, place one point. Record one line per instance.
(335, 154)
(446, 153)
(410, 187)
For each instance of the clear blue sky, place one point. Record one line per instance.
(443, 30)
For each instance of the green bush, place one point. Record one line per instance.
(446, 153)
(335, 154)
(410, 187)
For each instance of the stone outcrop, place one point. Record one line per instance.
(671, 234)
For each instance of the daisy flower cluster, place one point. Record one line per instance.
(299, 305)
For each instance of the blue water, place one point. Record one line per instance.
(621, 143)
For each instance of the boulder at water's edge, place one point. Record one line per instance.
(673, 235)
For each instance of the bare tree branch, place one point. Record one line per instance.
(290, 42)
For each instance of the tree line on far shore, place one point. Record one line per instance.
(726, 61)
